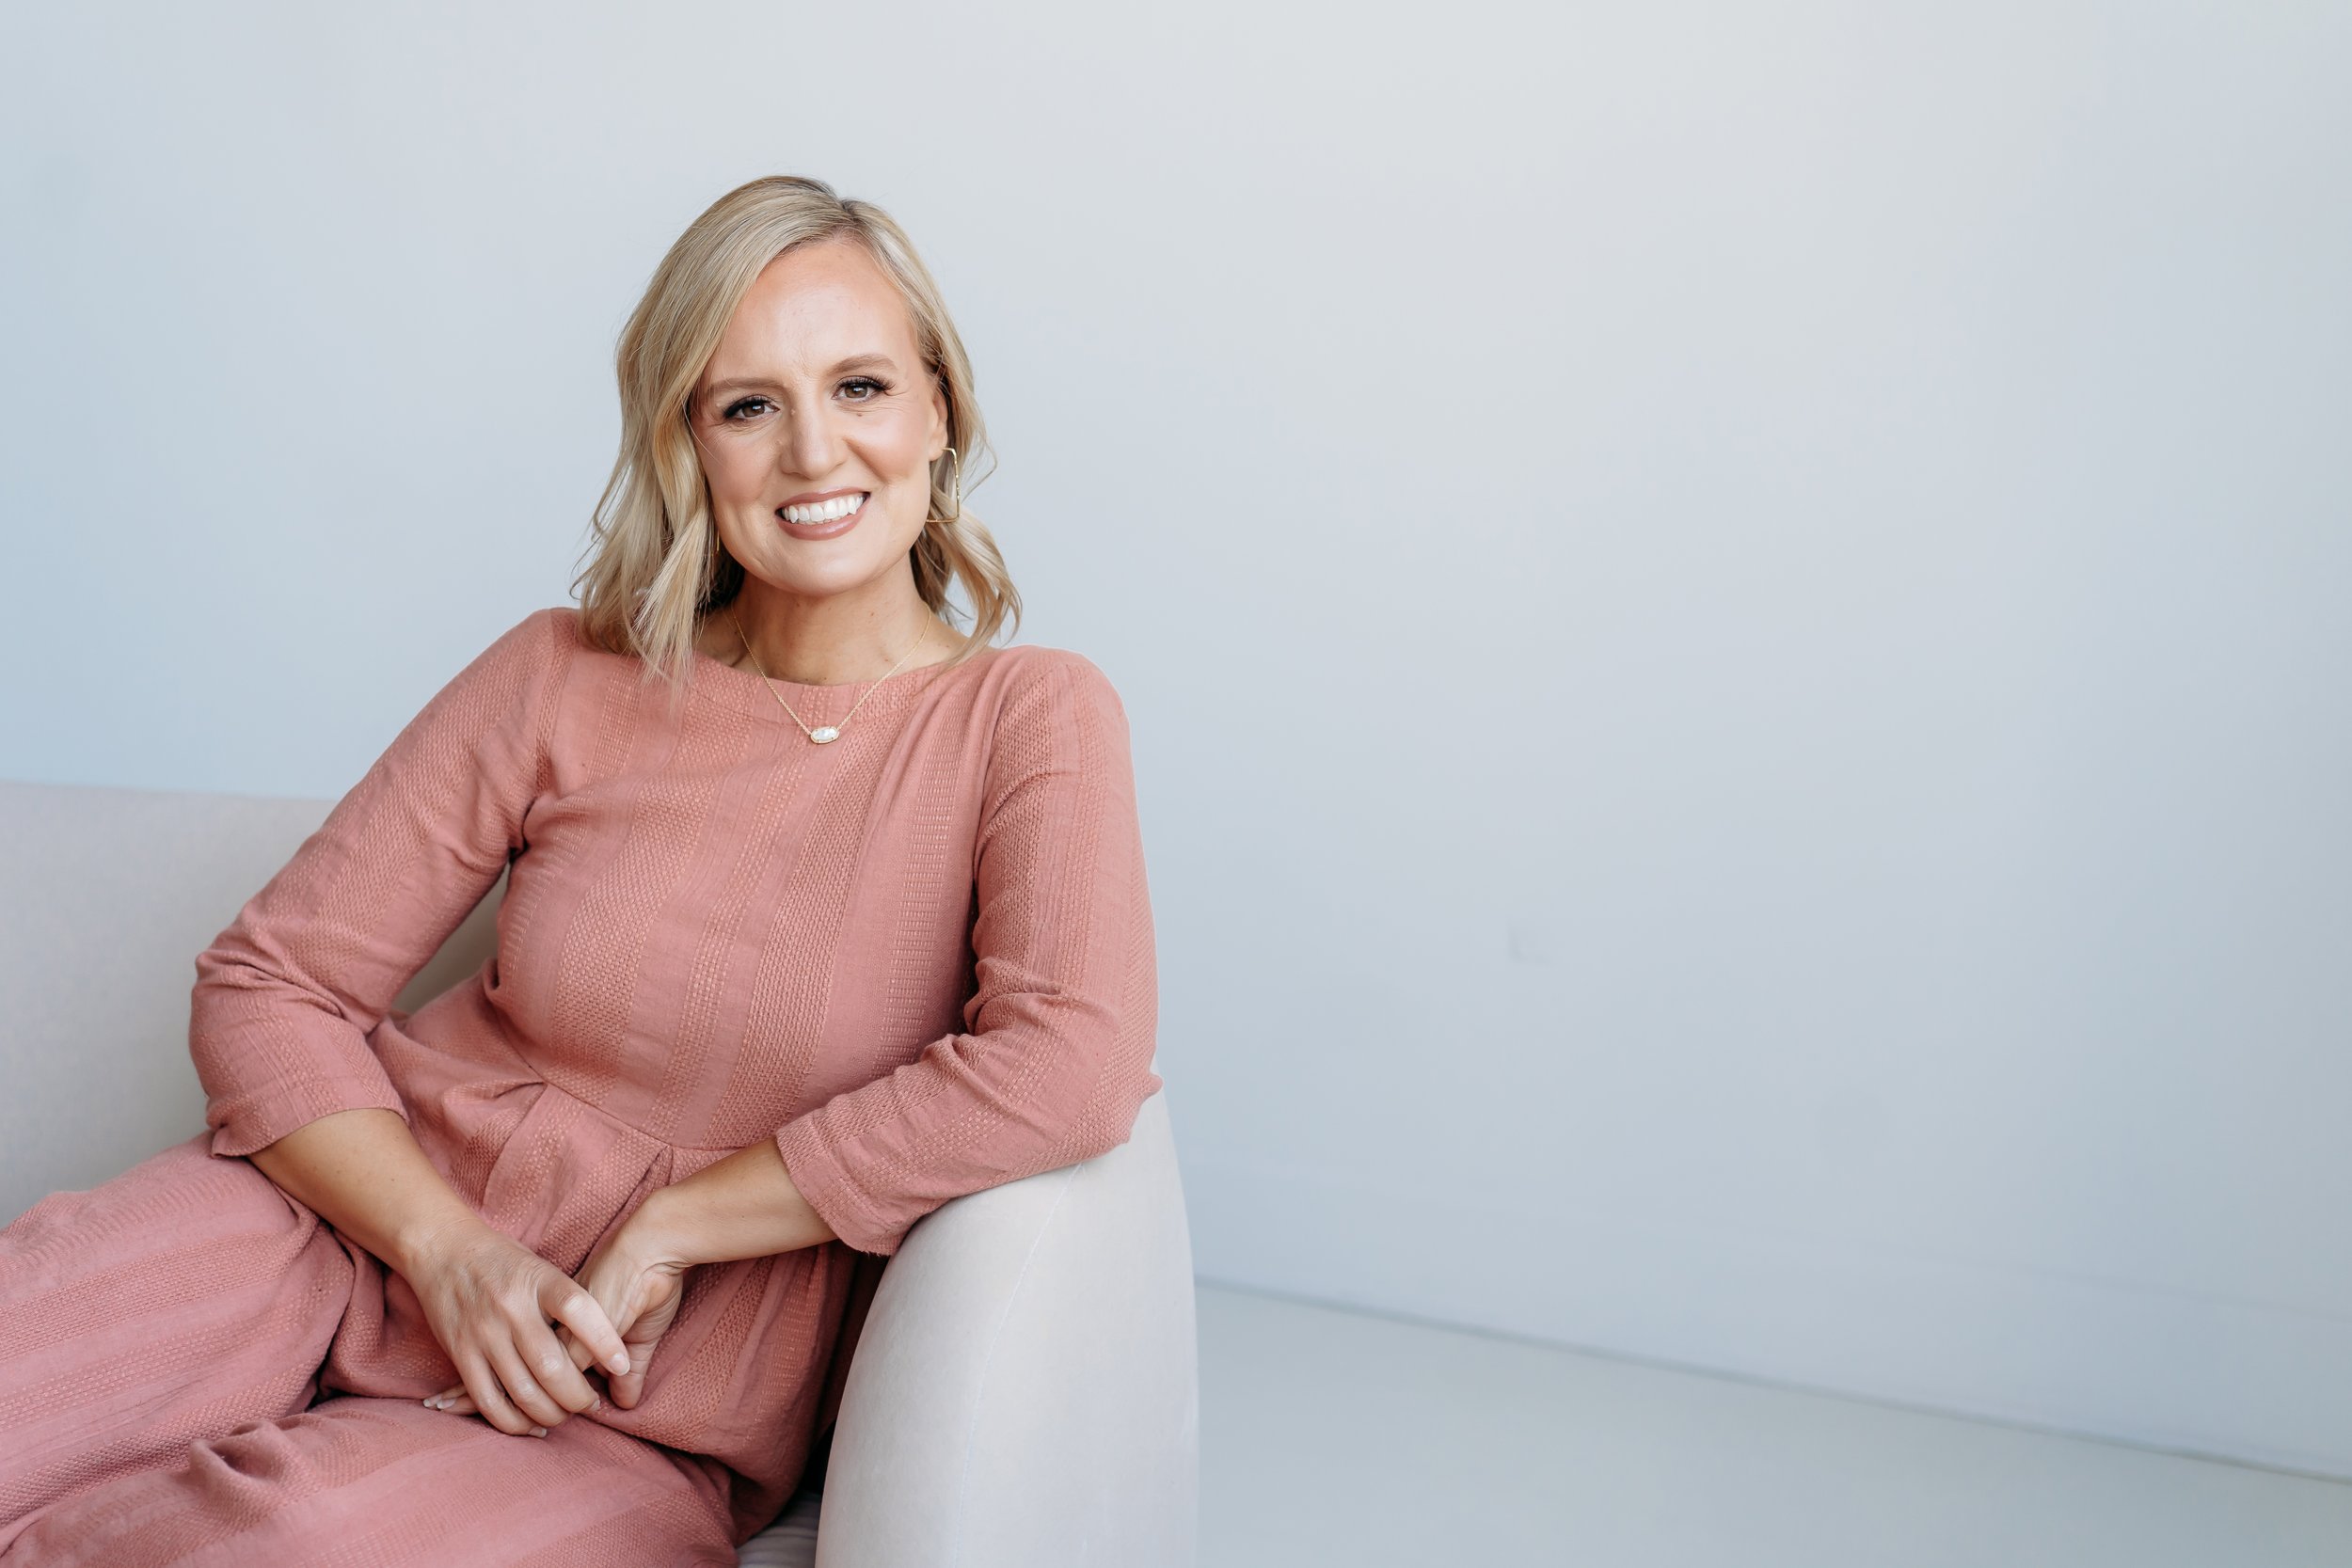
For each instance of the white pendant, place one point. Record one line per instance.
(823, 733)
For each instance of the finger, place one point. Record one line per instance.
(581, 1355)
(489, 1397)
(629, 1386)
(584, 1359)
(552, 1367)
(539, 1407)
(448, 1398)
(576, 1309)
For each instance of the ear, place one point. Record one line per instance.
(939, 419)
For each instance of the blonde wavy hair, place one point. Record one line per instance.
(655, 566)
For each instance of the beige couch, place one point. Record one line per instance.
(1024, 1391)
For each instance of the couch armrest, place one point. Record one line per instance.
(1024, 1390)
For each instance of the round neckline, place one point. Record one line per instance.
(750, 689)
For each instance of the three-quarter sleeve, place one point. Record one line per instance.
(1055, 1058)
(286, 997)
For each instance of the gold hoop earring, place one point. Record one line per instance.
(958, 512)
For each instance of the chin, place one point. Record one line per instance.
(801, 571)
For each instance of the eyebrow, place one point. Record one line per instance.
(856, 362)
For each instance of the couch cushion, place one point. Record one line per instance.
(790, 1542)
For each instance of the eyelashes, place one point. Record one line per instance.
(736, 412)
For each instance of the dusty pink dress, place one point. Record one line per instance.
(918, 958)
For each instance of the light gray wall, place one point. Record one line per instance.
(1734, 616)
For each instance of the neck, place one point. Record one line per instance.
(824, 645)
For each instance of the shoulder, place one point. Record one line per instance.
(1053, 711)
(1038, 684)
(1029, 667)
(538, 634)
(543, 640)
(556, 627)
(522, 665)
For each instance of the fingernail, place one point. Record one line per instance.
(538, 1432)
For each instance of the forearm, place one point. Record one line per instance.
(363, 1170)
(744, 1206)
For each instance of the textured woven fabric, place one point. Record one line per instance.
(920, 958)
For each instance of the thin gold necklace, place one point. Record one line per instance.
(822, 733)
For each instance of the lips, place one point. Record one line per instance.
(830, 526)
(809, 497)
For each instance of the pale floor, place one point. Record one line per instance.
(1337, 1437)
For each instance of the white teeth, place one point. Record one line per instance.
(824, 511)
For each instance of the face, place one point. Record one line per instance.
(817, 397)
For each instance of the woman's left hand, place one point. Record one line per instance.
(639, 1281)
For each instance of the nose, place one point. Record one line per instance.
(812, 447)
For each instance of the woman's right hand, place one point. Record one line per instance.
(490, 1300)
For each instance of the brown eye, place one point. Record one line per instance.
(735, 410)
(866, 381)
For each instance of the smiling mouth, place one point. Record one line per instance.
(817, 513)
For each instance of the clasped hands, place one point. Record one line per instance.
(490, 1300)
(523, 1334)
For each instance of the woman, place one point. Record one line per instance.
(820, 914)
